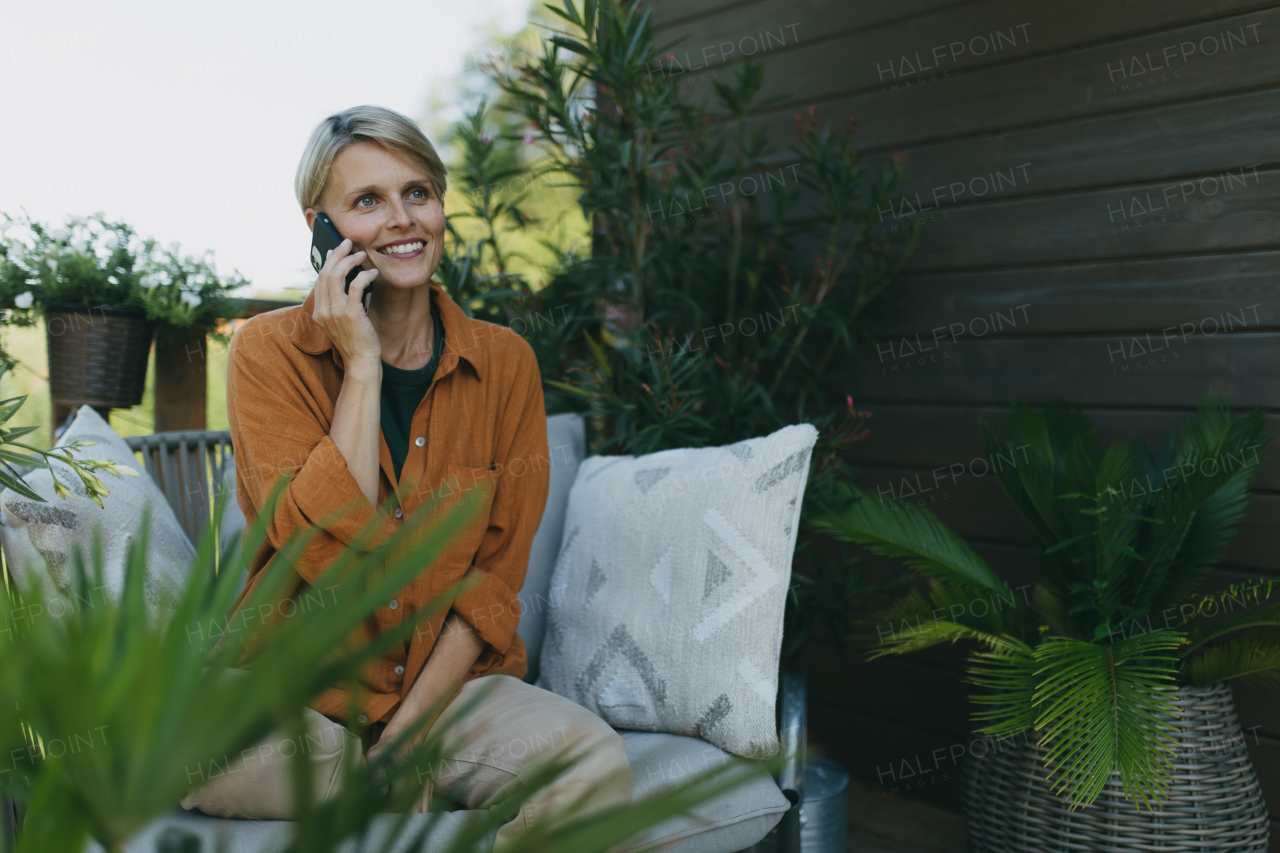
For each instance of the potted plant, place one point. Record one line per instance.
(692, 320)
(188, 300)
(104, 294)
(1107, 679)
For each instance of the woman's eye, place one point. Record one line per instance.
(419, 194)
(361, 201)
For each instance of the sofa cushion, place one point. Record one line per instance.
(729, 822)
(233, 521)
(227, 835)
(668, 596)
(42, 536)
(566, 443)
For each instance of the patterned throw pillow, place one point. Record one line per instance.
(42, 536)
(668, 594)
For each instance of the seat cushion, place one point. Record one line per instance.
(566, 441)
(272, 836)
(729, 822)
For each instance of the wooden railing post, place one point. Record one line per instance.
(181, 383)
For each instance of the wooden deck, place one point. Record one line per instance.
(884, 823)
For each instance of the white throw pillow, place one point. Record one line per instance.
(42, 536)
(667, 598)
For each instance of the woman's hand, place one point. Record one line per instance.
(342, 315)
(388, 737)
(458, 647)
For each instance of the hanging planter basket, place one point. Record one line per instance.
(97, 355)
(1214, 803)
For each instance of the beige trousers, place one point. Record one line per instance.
(493, 736)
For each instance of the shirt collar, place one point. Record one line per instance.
(460, 343)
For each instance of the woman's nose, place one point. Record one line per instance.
(398, 213)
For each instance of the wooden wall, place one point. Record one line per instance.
(1100, 192)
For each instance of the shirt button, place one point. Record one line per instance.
(394, 604)
(399, 670)
(399, 512)
(419, 441)
(362, 718)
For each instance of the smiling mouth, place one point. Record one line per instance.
(403, 249)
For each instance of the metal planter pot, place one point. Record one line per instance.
(97, 355)
(1214, 804)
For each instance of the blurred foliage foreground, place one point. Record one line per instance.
(110, 703)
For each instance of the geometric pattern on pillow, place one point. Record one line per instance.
(42, 536)
(667, 598)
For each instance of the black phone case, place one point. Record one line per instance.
(324, 239)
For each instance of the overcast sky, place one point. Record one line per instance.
(186, 120)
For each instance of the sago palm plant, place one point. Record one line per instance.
(1088, 656)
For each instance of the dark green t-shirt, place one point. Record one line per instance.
(402, 391)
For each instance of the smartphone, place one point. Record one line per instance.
(324, 239)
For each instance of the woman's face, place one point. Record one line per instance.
(386, 206)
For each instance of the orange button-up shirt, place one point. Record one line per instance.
(482, 419)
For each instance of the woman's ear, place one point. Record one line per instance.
(310, 214)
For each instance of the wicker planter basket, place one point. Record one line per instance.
(1214, 804)
(97, 355)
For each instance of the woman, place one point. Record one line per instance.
(409, 400)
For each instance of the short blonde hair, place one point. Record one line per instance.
(380, 125)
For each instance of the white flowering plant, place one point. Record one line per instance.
(186, 295)
(93, 261)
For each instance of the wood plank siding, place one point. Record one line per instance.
(1099, 187)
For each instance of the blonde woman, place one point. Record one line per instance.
(403, 400)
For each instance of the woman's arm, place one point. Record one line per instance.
(356, 417)
(275, 431)
(356, 425)
(457, 648)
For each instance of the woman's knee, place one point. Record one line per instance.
(600, 756)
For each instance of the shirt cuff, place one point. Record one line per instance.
(329, 496)
(489, 606)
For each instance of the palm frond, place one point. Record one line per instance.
(935, 633)
(1106, 708)
(1205, 496)
(1253, 619)
(945, 614)
(1052, 485)
(1119, 526)
(894, 528)
(1051, 609)
(1031, 443)
(1253, 659)
(1009, 673)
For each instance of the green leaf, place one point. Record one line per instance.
(1103, 709)
(17, 432)
(10, 407)
(1253, 659)
(1008, 672)
(29, 460)
(17, 484)
(1068, 542)
(895, 528)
